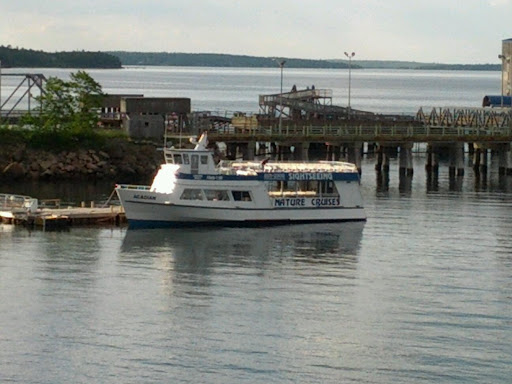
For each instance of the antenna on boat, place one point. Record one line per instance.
(201, 143)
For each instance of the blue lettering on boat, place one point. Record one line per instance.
(323, 202)
(310, 176)
(274, 176)
(294, 202)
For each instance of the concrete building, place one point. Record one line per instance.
(506, 58)
(148, 117)
(110, 113)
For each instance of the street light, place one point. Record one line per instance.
(503, 59)
(281, 65)
(350, 56)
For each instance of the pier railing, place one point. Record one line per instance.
(363, 132)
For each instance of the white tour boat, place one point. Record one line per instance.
(190, 189)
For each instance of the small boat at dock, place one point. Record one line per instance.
(12, 205)
(190, 188)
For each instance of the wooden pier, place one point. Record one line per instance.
(451, 131)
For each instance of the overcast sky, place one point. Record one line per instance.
(443, 31)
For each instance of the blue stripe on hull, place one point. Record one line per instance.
(283, 176)
(144, 224)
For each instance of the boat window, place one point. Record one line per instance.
(178, 159)
(194, 168)
(204, 159)
(192, 194)
(274, 186)
(241, 195)
(291, 186)
(216, 195)
(185, 159)
(328, 188)
(302, 188)
(308, 186)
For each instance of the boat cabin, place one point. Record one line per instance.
(192, 161)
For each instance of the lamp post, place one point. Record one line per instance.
(350, 56)
(281, 65)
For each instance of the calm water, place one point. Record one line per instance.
(420, 293)
(237, 89)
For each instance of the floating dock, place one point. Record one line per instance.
(52, 218)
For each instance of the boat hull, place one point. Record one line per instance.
(158, 211)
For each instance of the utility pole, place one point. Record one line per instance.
(281, 65)
(350, 56)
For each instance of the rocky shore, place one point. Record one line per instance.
(120, 160)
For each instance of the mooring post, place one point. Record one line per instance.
(459, 159)
(483, 160)
(503, 151)
(428, 164)
(301, 151)
(476, 159)
(410, 167)
(509, 162)
(354, 155)
(248, 150)
(385, 160)
(456, 153)
(378, 163)
(405, 155)
(435, 162)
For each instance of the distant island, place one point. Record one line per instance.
(225, 60)
(220, 60)
(28, 58)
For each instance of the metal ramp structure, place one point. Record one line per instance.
(466, 117)
(22, 92)
(307, 104)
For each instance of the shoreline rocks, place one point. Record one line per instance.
(121, 161)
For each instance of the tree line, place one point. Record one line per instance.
(226, 60)
(28, 58)
(15, 57)
(220, 60)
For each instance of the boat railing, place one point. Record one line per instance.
(232, 167)
(10, 202)
(275, 194)
(133, 187)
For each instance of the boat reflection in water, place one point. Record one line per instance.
(201, 248)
